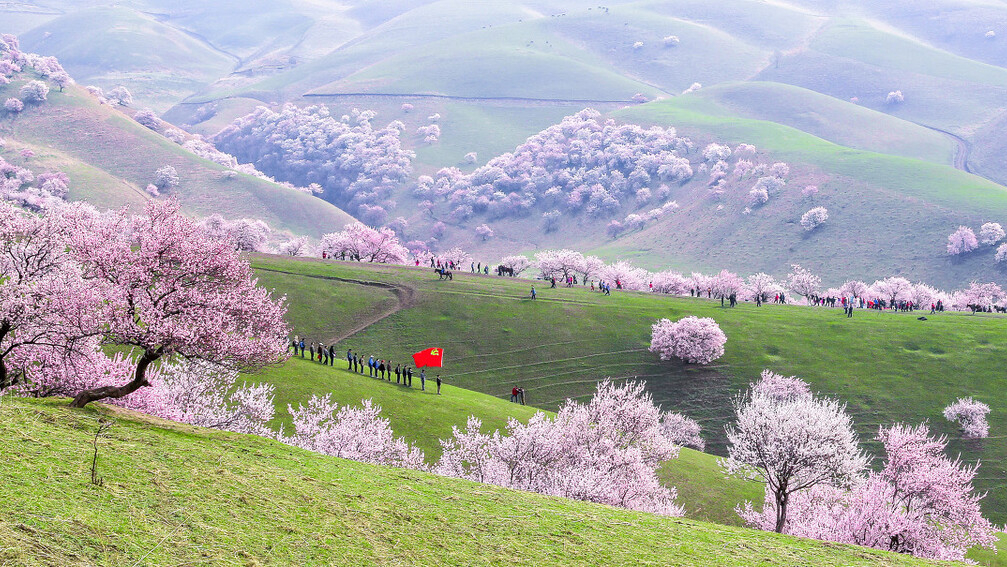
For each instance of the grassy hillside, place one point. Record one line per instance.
(839, 122)
(887, 367)
(887, 214)
(116, 45)
(173, 494)
(110, 157)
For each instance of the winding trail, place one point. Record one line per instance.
(961, 153)
(405, 297)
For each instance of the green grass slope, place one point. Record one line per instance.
(516, 60)
(173, 494)
(116, 45)
(101, 143)
(887, 367)
(842, 123)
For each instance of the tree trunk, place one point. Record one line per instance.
(781, 511)
(139, 380)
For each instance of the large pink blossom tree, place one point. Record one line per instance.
(696, 340)
(170, 290)
(47, 308)
(792, 441)
(921, 503)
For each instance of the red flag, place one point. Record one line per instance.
(431, 357)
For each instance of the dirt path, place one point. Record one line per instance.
(405, 297)
(961, 153)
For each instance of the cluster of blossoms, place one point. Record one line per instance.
(352, 162)
(971, 416)
(365, 244)
(695, 340)
(19, 185)
(604, 451)
(804, 449)
(581, 165)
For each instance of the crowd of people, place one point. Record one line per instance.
(372, 366)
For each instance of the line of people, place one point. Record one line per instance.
(382, 369)
(316, 351)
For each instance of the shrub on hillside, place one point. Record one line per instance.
(34, 92)
(13, 105)
(970, 416)
(147, 118)
(814, 218)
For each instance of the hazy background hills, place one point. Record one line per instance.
(806, 82)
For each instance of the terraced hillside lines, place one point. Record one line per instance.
(174, 494)
(887, 367)
(72, 126)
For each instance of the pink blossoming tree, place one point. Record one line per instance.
(971, 416)
(695, 340)
(170, 290)
(791, 441)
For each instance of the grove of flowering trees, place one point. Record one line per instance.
(695, 340)
(22, 187)
(920, 502)
(354, 163)
(365, 244)
(604, 451)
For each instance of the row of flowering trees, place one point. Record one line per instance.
(800, 281)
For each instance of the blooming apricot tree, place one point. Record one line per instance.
(170, 290)
(696, 340)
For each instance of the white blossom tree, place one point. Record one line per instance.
(792, 443)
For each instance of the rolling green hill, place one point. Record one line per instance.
(887, 367)
(110, 158)
(173, 494)
(116, 45)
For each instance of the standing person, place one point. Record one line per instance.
(332, 355)
(533, 294)
(311, 351)
(513, 394)
(349, 359)
(398, 374)
(423, 380)
(323, 354)
(438, 384)
(849, 312)
(520, 392)
(381, 369)
(302, 348)
(409, 374)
